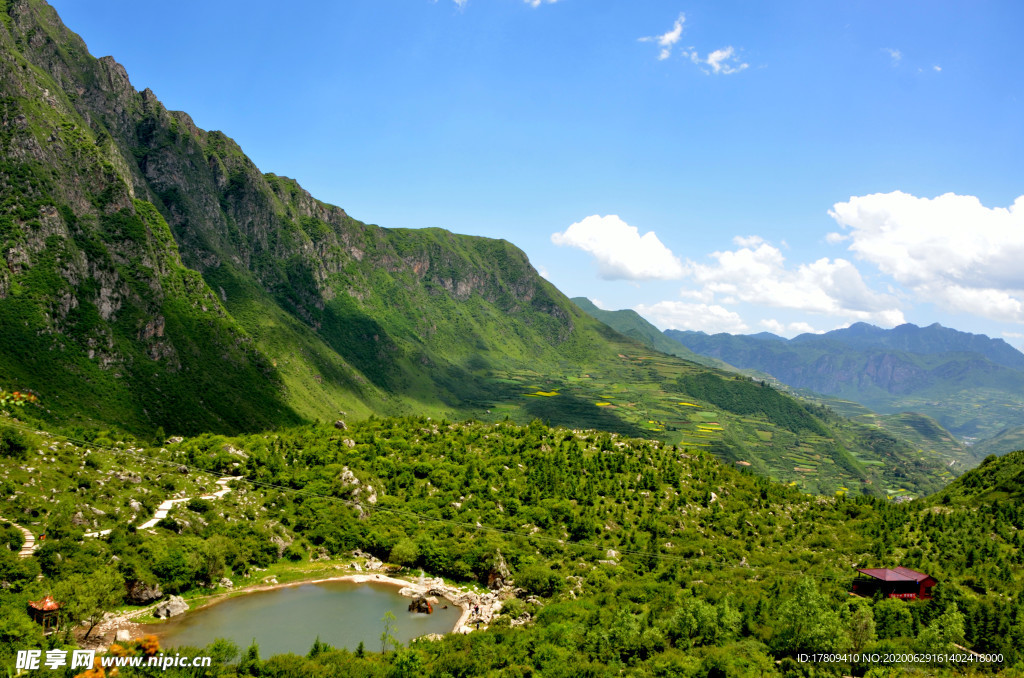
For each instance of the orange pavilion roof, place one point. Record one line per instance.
(47, 604)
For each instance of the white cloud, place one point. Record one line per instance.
(621, 252)
(937, 69)
(678, 315)
(748, 240)
(950, 250)
(600, 304)
(894, 54)
(723, 61)
(756, 273)
(666, 40)
(537, 3)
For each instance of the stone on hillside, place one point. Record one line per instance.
(123, 636)
(499, 574)
(226, 583)
(171, 607)
(431, 637)
(141, 593)
(341, 425)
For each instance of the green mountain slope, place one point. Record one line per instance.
(143, 256)
(970, 384)
(996, 479)
(153, 277)
(633, 325)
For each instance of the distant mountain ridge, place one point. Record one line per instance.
(933, 339)
(633, 325)
(972, 384)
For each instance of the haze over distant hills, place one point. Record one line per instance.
(971, 384)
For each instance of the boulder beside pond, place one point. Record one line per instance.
(171, 607)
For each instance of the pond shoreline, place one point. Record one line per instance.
(477, 609)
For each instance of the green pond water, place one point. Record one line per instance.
(289, 619)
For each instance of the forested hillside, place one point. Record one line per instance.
(640, 556)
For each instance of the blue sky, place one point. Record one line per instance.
(724, 166)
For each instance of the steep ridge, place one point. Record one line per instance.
(142, 253)
(969, 383)
(153, 279)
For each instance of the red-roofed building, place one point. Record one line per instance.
(898, 582)
(44, 612)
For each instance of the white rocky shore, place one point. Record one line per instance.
(478, 609)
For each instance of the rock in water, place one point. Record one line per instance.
(421, 604)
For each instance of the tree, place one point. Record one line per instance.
(89, 597)
(387, 635)
(943, 632)
(249, 664)
(862, 628)
(893, 619)
(408, 664)
(808, 624)
(405, 553)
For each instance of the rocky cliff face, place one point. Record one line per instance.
(141, 255)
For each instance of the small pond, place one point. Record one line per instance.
(289, 619)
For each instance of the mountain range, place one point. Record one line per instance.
(155, 281)
(971, 384)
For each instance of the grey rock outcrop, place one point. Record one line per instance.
(141, 593)
(171, 607)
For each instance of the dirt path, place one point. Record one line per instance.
(30, 544)
(165, 508)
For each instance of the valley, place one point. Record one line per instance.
(211, 381)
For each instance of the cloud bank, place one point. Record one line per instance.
(620, 251)
(950, 250)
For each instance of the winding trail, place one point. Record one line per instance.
(30, 544)
(165, 508)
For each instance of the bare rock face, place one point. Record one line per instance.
(141, 593)
(171, 607)
(499, 575)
